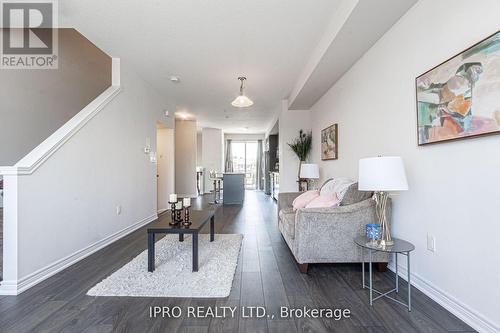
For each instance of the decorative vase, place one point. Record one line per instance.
(373, 232)
(302, 182)
(300, 166)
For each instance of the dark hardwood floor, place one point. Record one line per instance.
(267, 275)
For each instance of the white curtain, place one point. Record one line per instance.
(229, 156)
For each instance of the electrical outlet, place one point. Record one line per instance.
(431, 243)
(118, 210)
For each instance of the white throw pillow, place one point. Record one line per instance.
(337, 185)
(327, 187)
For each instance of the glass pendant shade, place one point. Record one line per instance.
(242, 101)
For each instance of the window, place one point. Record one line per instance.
(245, 161)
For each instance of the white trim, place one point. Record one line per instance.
(115, 72)
(450, 303)
(28, 164)
(17, 287)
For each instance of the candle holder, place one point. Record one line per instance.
(178, 216)
(186, 222)
(172, 213)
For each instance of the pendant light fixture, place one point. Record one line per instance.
(242, 101)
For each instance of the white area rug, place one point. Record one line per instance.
(173, 276)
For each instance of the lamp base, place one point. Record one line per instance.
(386, 242)
(381, 208)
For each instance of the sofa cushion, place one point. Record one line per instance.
(305, 198)
(337, 185)
(327, 187)
(352, 195)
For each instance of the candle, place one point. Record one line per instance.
(187, 202)
(173, 197)
(178, 205)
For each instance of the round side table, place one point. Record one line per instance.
(400, 247)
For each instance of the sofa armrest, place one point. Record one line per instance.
(285, 199)
(327, 232)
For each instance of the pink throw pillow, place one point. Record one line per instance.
(327, 200)
(302, 200)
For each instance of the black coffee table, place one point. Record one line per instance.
(199, 219)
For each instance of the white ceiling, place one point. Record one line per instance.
(208, 44)
(351, 34)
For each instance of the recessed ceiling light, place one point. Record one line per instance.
(175, 79)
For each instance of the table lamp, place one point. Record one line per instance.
(382, 175)
(309, 171)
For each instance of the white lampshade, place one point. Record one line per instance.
(309, 171)
(242, 102)
(385, 173)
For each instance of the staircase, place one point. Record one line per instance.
(34, 104)
(42, 118)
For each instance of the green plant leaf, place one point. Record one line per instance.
(302, 145)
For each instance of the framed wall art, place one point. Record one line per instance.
(329, 143)
(460, 98)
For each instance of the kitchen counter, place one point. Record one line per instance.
(234, 188)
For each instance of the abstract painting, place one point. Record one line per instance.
(329, 143)
(460, 98)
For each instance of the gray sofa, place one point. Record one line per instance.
(325, 235)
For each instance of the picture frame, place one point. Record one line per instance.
(329, 143)
(459, 98)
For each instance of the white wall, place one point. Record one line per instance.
(166, 166)
(68, 207)
(185, 158)
(290, 123)
(452, 185)
(199, 149)
(212, 145)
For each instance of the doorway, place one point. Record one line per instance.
(245, 161)
(165, 166)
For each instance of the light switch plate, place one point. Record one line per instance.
(431, 243)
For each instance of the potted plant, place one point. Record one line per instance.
(301, 146)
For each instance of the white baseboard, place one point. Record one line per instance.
(23, 284)
(450, 303)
